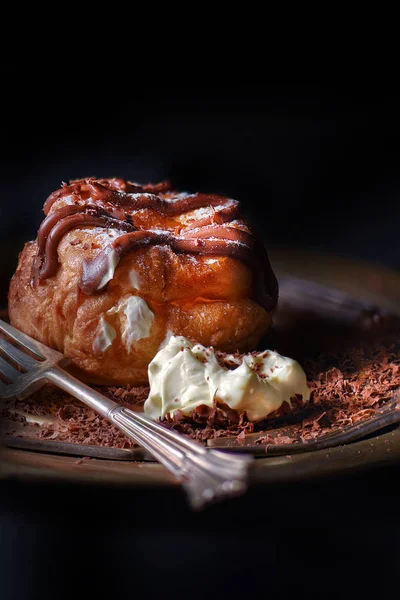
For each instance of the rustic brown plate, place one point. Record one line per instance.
(342, 294)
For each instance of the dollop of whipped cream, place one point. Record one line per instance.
(135, 322)
(105, 336)
(184, 376)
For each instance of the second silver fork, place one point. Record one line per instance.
(206, 475)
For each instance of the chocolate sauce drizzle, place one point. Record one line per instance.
(113, 203)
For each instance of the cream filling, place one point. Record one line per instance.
(104, 337)
(135, 321)
(134, 279)
(138, 320)
(184, 375)
(112, 262)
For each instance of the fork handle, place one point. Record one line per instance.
(205, 474)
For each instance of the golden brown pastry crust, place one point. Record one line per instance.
(208, 299)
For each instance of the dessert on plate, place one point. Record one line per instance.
(117, 267)
(160, 299)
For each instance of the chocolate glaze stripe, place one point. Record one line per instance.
(115, 207)
(141, 198)
(48, 259)
(93, 271)
(54, 218)
(81, 188)
(225, 215)
(164, 207)
(220, 231)
(139, 201)
(59, 222)
(117, 183)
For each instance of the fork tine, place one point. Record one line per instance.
(8, 371)
(23, 340)
(25, 361)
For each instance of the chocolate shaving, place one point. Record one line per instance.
(75, 422)
(347, 387)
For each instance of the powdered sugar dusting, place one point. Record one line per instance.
(205, 212)
(194, 215)
(100, 233)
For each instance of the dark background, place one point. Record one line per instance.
(315, 167)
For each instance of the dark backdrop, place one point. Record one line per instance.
(315, 167)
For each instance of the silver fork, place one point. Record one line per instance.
(206, 475)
